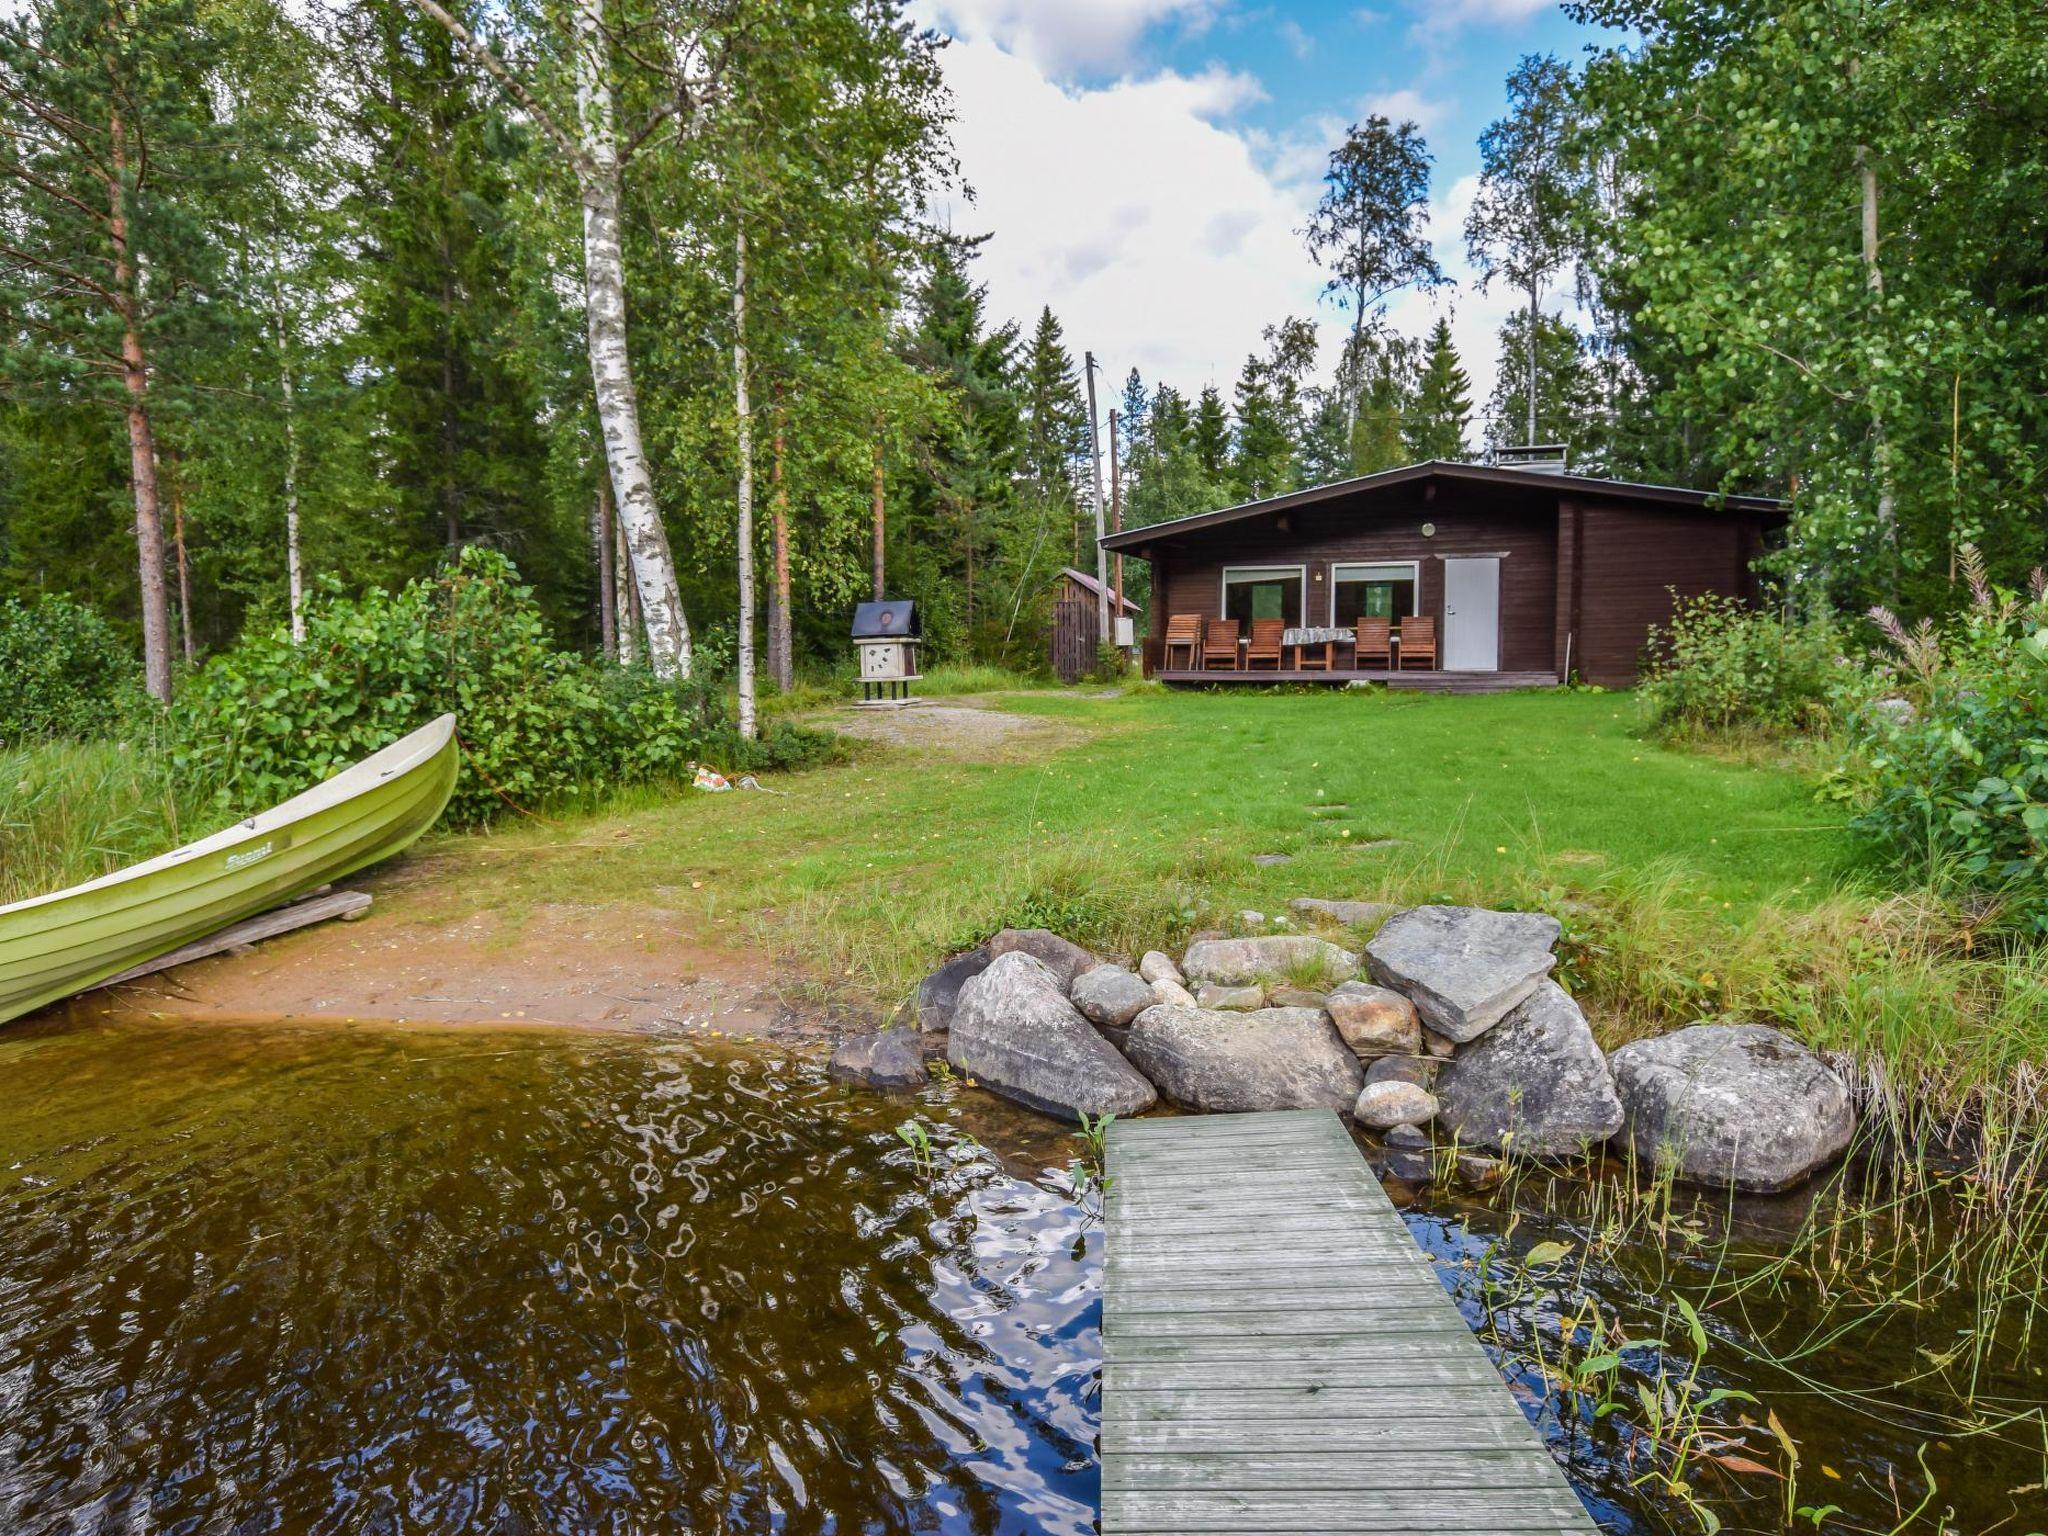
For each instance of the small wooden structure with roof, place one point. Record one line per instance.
(1076, 635)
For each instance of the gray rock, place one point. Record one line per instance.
(1155, 966)
(1411, 1167)
(1273, 1058)
(1235, 999)
(1171, 993)
(1252, 919)
(1064, 959)
(1375, 1021)
(1464, 968)
(1015, 1033)
(1111, 995)
(1419, 1070)
(1477, 1171)
(1268, 860)
(1236, 962)
(1407, 1138)
(888, 1058)
(939, 993)
(1381, 1106)
(1535, 1084)
(1352, 914)
(1294, 997)
(1740, 1104)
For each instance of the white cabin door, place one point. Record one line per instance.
(1472, 614)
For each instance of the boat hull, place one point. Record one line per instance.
(63, 943)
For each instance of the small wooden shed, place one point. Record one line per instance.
(1076, 634)
(1531, 576)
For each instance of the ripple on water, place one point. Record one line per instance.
(307, 1281)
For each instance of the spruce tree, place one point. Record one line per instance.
(1434, 427)
(1209, 436)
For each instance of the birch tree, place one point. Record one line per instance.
(592, 151)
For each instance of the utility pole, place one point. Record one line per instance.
(1103, 633)
(1116, 512)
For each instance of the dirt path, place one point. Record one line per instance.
(956, 728)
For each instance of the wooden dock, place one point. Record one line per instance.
(1278, 1355)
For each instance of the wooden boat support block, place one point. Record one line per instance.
(1279, 1356)
(346, 906)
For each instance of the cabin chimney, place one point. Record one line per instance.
(1536, 458)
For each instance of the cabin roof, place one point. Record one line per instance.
(1093, 587)
(1676, 498)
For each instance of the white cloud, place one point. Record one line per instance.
(1163, 237)
(1068, 36)
(1408, 105)
(1296, 37)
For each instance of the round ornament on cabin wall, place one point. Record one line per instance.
(1429, 530)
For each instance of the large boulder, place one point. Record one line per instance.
(1270, 1058)
(1271, 958)
(1464, 968)
(1111, 996)
(1016, 1033)
(1351, 914)
(888, 1058)
(1154, 966)
(1535, 1084)
(939, 993)
(1740, 1104)
(1374, 1021)
(1383, 1106)
(1064, 958)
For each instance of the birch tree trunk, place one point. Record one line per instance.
(611, 366)
(781, 646)
(149, 522)
(743, 417)
(622, 598)
(607, 577)
(295, 571)
(1873, 280)
(1531, 345)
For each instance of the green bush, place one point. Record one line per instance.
(270, 717)
(1720, 665)
(63, 672)
(1952, 761)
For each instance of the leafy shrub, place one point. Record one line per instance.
(1953, 761)
(63, 672)
(270, 718)
(1721, 665)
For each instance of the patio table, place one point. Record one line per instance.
(1303, 637)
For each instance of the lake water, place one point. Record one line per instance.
(266, 1279)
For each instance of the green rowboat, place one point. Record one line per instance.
(52, 946)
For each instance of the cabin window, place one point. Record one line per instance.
(1264, 592)
(1385, 591)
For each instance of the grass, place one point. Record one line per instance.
(1690, 885)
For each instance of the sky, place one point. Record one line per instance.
(1145, 166)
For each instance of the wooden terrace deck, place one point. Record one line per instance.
(1417, 679)
(1278, 1355)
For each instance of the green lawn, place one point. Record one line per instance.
(1139, 816)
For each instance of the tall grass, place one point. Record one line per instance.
(71, 811)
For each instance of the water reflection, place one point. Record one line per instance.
(264, 1280)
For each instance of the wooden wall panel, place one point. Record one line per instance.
(1579, 573)
(1189, 578)
(1633, 560)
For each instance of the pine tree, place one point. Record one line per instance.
(1434, 427)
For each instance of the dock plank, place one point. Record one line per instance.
(1278, 1355)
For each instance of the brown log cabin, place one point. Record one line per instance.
(1532, 575)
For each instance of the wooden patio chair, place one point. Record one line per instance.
(1265, 643)
(1184, 633)
(1418, 641)
(1219, 645)
(1375, 647)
